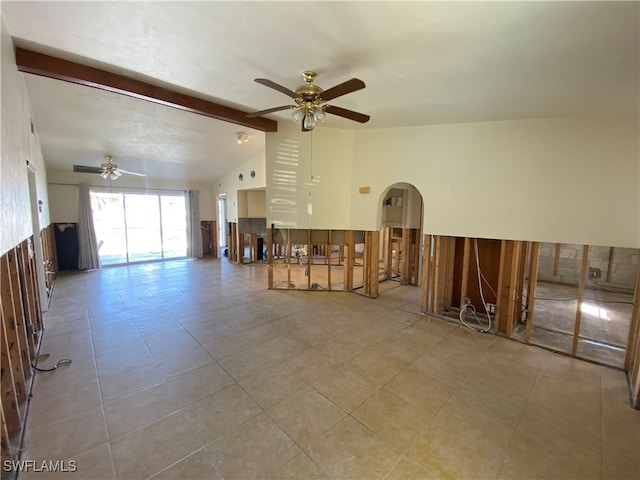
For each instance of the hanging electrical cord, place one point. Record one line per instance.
(468, 306)
(61, 363)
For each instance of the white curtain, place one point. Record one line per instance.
(88, 258)
(195, 235)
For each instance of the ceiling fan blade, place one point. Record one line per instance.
(275, 86)
(121, 170)
(350, 114)
(269, 110)
(342, 89)
(86, 169)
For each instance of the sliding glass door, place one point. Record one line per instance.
(134, 227)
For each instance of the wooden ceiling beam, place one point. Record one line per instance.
(47, 66)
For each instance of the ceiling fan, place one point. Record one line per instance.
(311, 101)
(106, 170)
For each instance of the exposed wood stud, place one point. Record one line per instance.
(450, 253)
(426, 275)
(270, 257)
(500, 304)
(350, 247)
(556, 259)
(16, 323)
(610, 264)
(17, 345)
(583, 281)
(328, 256)
(6, 444)
(12, 381)
(632, 359)
(288, 258)
(512, 289)
(466, 255)
(531, 291)
(405, 257)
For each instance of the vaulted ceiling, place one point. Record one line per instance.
(423, 63)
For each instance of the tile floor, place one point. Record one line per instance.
(193, 370)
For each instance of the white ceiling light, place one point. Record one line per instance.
(110, 169)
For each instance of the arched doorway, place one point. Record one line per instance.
(394, 252)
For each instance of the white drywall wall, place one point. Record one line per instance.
(19, 145)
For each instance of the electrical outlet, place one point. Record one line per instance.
(491, 307)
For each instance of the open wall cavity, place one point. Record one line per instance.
(575, 299)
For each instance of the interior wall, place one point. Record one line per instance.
(19, 145)
(63, 192)
(569, 180)
(230, 183)
(309, 177)
(256, 204)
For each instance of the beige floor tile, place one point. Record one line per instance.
(447, 365)
(391, 418)
(423, 393)
(346, 388)
(518, 352)
(379, 367)
(350, 450)
(247, 362)
(181, 341)
(139, 409)
(66, 438)
(563, 458)
(409, 470)
(150, 449)
(124, 359)
(272, 385)
(310, 365)
(192, 386)
(435, 326)
(180, 361)
(300, 467)
(215, 415)
(72, 401)
(458, 446)
(196, 466)
(210, 332)
(342, 348)
(227, 346)
(484, 407)
(126, 382)
(64, 377)
(269, 446)
(306, 415)
(156, 333)
(95, 464)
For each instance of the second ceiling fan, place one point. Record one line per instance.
(311, 101)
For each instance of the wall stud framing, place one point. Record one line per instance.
(12, 381)
(16, 314)
(466, 255)
(531, 291)
(583, 281)
(425, 299)
(270, 257)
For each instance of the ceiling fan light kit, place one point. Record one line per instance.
(107, 170)
(311, 100)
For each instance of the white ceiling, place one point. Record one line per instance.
(423, 63)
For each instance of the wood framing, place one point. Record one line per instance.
(507, 287)
(632, 357)
(350, 254)
(52, 67)
(425, 298)
(466, 254)
(14, 286)
(405, 262)
(531, 291)
(583, 281)
(270, 257)
(12, 380)
(19, 307)
(556, 258)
